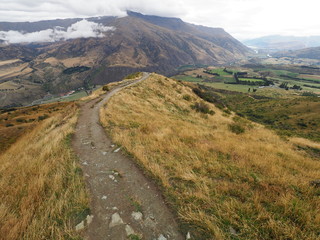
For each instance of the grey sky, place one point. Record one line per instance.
(242, 18)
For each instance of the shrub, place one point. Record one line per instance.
(40, 118)
(133, 75)
(105, 88)
(9, 125)
(20, 120)
(187, 97)
(227, 111)
(77, 69)
(202, 107)
(309, 94)
(236, 128)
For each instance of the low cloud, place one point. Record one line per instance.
(81, 29)
(242, 18)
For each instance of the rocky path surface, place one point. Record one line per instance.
(124, 203)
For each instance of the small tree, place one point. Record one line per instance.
(235, 75)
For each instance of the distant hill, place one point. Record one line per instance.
(133, 43)
(278, 43)
(311, 53)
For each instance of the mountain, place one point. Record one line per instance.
(278, 43)
(311, 53)
(62, 61)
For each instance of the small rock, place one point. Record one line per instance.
(115, 208)
(89, 219)
(85, 163)
(104, 153)
(315, 183)
(104, 197)
(232, 231)
(137, 216)
(112, 177)
(129, 230)
(117, 150)
(112, 146)
(150, 223)
(80, 226)
(188, 236)
(86, 175)
(115, 220)
(161, 237)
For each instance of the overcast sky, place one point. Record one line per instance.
(244, 19)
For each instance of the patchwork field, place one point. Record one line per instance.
(255, 77)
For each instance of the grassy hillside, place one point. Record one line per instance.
(226, 177)
(41, 187)
(291, 116)
(15, 122)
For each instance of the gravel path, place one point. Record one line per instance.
(123, 201)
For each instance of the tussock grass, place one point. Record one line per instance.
(17, 122)
(223, 185)
(41, 187)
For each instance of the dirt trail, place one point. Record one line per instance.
(123, 200)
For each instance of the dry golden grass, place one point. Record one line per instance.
(13, 124)
(15, 71)
(305, 142)
(95, 94)
(223, 185)
(41, 188)
(9, 61)
(71, 62)
(9, 85)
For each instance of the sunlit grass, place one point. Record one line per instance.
(41, 187)
(222, 185)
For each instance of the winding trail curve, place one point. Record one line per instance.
(123, 201)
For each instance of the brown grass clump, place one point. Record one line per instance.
(41, 187)
(223, 185)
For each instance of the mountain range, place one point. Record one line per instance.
(56, 56)
(309, 53)
(279, 43)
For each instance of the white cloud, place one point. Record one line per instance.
(242, 18)
(81, 29)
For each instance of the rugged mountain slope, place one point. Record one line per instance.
(311, 53)
(137, 42)
(215, 35)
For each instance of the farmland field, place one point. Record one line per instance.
(277, 76)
